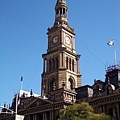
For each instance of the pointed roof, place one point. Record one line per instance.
(60, 4)
(61, 1)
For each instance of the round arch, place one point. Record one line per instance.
(109, 88)
(71, 83)
(112, 112)
(52, 83)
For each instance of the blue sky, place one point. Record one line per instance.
(23, 40)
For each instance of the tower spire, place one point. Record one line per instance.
(61, 63)
(61, 13)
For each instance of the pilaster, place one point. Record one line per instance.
(118, 111)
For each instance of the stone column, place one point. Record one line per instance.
(48, 66)
(104, 109)
(60, 60)
(43, 116)
(78, 64)
(73, 43)
(118, 111)
(43, 66)
(51, 115)
(64, 60)
(34, 116)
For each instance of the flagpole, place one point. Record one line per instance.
(115, 56)
(112, 42)
(16, 107)
(21, 85)
(21, 82)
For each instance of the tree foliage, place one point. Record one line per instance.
(81, 111)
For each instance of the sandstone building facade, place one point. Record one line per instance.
(61, 78)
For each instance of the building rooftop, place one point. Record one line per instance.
(113, 67)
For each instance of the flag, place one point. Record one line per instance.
(21, 78)
(111, 42)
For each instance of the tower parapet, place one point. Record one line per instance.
(113, 67)
(113, 75)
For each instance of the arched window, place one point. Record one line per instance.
(60, 11)
(112, 112)
(50, 65)
(109, 90)
(63, 10)
(70, 84)
(57, 63)
(70, 64)
(52, 84)
(67, 62)
(73, 65)
(53, 64)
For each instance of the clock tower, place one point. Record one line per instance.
(61, 63)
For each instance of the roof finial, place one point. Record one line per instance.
(4, 104)
(108, 80)
(21, 81)
(31, 93)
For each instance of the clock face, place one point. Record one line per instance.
(55, 39)
(67, 40)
